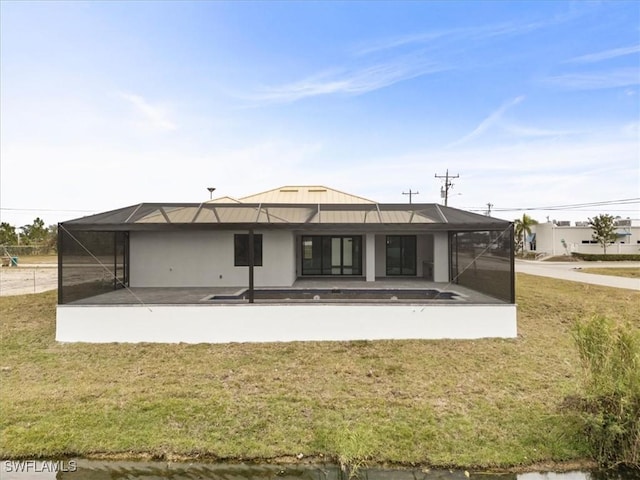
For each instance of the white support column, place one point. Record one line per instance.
(370, 261)
(440, 257)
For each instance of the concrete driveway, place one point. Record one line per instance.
(571, 271)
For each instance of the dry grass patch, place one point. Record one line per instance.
(442, 403)
(30, 259)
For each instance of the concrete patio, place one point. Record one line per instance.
(200, 295)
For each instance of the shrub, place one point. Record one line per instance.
(612, 257)
(610, 355)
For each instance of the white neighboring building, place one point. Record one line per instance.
(562, 238)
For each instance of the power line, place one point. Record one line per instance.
(43, 210)
(574, 206)
(624, 201)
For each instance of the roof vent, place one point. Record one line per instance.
(317, 190)
(288, 190)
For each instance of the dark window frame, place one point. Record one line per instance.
(357, 268)
(402, 238)
(241, 250)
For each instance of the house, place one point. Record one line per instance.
(293, 263)
(562, 238)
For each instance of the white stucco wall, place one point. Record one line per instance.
(441, 257)
(281, 323)
(205, 258)
(370, 257)
(424, 244)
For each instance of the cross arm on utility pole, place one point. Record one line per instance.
(411, 194)
(448, 184)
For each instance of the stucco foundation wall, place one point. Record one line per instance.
(281, 323)
(205, 258)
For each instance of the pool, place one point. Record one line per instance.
(338, 294)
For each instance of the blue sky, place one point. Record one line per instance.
(107, 104)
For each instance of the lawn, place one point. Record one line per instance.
(483, 404)
(629, 272)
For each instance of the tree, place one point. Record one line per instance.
(36, 233)
(604, 229)
(8, 235)
(523, 228)
(51, 242)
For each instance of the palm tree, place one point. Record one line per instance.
(523, 228)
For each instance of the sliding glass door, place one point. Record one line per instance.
(401, 255)
(331, 255)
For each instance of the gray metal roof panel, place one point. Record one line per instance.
(291, 214)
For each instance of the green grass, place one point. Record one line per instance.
(484, 403)
(629, 272)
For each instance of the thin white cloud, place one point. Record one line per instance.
(462, 34)
(150, 116)
(404, 40)
(605, 55)
(622, 77)
(488, 122)
(524, 131)
(428, 53)
(353, 82)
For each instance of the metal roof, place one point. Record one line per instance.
(360, 216)
(304, 194)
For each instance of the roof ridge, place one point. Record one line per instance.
(309, 188)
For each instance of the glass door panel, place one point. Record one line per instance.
(408, 255)
(336, 256)
(331, 255)
(347, 256)
(394, 255)
(311, 256)
(401, 255)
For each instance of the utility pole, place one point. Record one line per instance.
(410, 193)
(489, 206)
(444, 190)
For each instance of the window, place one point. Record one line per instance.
(331, 255)
(401, 255)
(241, 249)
